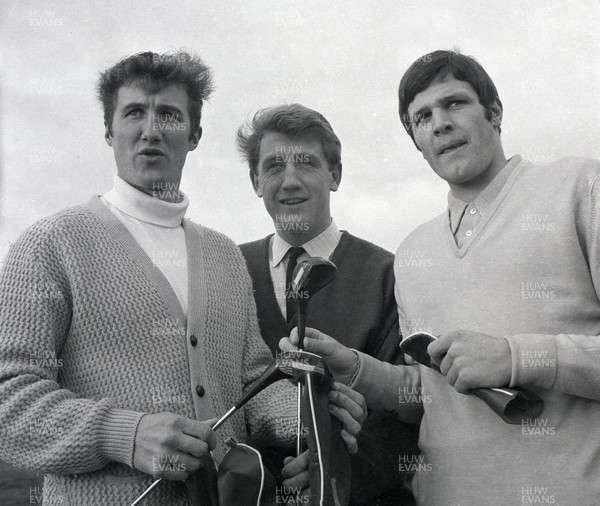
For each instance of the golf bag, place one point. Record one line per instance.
(244, 480)
(329, 458)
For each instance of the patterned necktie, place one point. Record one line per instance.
(290, 303)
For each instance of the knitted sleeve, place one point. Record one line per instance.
(271, 415)
(44, 427)
(571, 362)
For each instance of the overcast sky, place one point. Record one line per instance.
(343, 58)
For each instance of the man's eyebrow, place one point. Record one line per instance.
(171, 107)
(168, 107)
(456, 95)
(272, 156)
(133, 105)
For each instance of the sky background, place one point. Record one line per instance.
(343, 58)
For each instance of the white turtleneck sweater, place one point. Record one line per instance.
(156, 225)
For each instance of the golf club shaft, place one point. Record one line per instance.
(301, 312)
(299, 423)
(146, 492)
(155, 483)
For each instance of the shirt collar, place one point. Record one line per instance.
(483, 201)
(321, 246)
(143, 207)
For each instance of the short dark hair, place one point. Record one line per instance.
(154, 71)
(436, 66)
(293, 120)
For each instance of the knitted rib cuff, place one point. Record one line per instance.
(116, 435)
(369, 378)
(534, 360)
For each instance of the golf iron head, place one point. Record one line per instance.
(286, 365)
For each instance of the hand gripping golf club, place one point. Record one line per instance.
(286, 365)
(514, 405)
(309, 277)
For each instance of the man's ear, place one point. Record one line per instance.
(107, 134)
(254, 179)
(496, 111)
(336, 174)
(195, 138)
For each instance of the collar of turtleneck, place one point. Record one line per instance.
(143, 207)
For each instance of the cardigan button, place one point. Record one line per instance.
(200, 390)
(193, 340)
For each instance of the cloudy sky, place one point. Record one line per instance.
(343, 58)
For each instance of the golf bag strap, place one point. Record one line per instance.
(329, 459)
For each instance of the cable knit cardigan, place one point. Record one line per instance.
(92, 336)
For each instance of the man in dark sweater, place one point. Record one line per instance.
(295, 162)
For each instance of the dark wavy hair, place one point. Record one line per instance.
(293, 120)
(436, 66)
(154, 71)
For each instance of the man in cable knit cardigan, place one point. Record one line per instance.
(125, 328)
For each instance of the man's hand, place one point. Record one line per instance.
(472, 360)
(341, 360)
(170, 446)
(350, 408)
(295, 476)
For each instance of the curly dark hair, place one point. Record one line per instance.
(154, 71)
(293, 120)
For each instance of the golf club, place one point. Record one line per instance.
(309, 277)
(513, 405)
(292, 365)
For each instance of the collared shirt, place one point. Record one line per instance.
(156, 226)
(464, 217)
(321, 246)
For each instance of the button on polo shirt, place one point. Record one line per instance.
(465, 217)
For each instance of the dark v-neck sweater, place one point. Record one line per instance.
(358, 309)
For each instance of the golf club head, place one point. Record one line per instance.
(310, 276)
(415, 345)
(295, 364)
(286, 365)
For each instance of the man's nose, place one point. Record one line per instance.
(290, 176)
(151, 128)
(441, 121)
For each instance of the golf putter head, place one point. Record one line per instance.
(308, 278)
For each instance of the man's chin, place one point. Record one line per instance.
(291, 221)
(456, 174)
(158, 187)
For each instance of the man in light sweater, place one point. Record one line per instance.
(294, 158)
(509, 283)
(126, 329)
